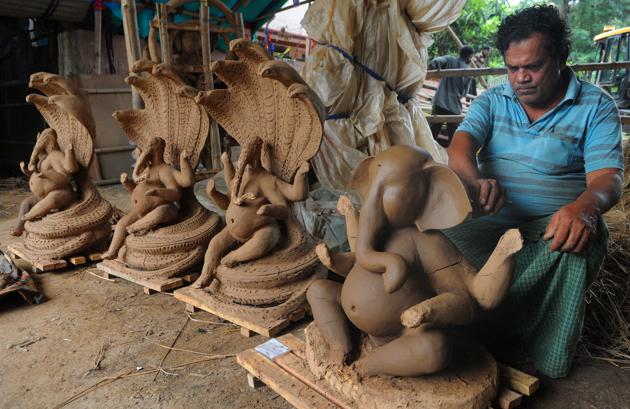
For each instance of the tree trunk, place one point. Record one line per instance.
(565, 10)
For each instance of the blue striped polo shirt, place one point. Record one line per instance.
(543, 164)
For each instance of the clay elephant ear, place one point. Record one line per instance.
(360, 178)
(447, 203)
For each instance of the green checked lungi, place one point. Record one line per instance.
(545, 306)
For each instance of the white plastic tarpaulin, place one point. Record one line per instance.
(369, 64)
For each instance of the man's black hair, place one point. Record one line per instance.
(465, 52)
(485, 47)
(543, 19)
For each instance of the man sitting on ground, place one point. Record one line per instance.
(542, 153)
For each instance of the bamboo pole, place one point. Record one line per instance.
(208, 81)
(165, 42)
(98, 32)
(132, 43)
(240, 25)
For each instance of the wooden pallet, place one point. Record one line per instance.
(113, 268)
(17, 252)
(198, 299)
(289, 376)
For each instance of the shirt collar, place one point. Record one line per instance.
(573, 89)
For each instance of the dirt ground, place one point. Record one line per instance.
(90, 330)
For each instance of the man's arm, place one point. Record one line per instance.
(439, 62)
(462, 158)
(572, 225)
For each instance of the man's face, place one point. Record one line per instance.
(533, 74)
(485, 52)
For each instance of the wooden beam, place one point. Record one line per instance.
(229, 14)
(264, 16)
(194, 26)
(476, 72)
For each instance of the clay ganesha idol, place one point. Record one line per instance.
(263, 258)
(167, 230)
(405, 282)
(65, 214)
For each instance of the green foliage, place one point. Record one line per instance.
(480, 19)
(475, 27)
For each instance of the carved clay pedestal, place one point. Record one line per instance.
(265, 295)
(162, 259)
(471, 382)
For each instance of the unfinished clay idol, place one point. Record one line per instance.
(65, 214)
(261, 263)
(405, 286)
(167, 230)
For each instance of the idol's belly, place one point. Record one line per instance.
(370, 308)
(242, 221)
(143, 203)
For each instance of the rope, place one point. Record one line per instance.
(403, 99)
(332, 117)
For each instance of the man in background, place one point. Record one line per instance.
(448, 97)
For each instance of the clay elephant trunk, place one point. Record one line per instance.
(374, 222)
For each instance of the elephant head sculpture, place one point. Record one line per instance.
(403, 187)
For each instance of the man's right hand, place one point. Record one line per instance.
(488, 194)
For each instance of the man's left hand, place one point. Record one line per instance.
(571, 226)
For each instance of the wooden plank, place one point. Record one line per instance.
(38, 265)
(115, 268)
(295, 344)
(78, 260)
(517, 380)
(253, 382)
(444, 118)
(202, 300)
(508, 399)
(95, 256)
(293, 391)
